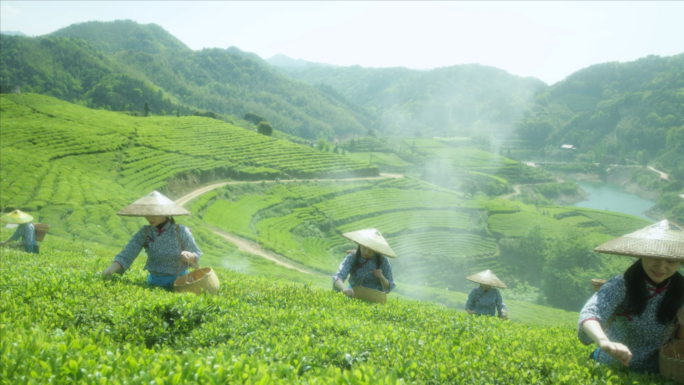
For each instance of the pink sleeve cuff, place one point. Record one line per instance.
(585, 320)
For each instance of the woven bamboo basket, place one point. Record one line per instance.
(41, 230)
(671, 360)
(197, 281)
(369, 295)
(596, 284)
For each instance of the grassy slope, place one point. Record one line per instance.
(257, 330)
(74, 167)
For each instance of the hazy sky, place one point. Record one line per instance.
(548, 40)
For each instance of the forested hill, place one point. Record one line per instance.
(123, 35)
(461, 99)
(614, 111)
(122, 65)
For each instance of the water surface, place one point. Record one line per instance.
(611, 197)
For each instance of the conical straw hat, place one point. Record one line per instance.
(17, 217)
(372, 239)
(661, 240)
(486, 278)
(153, 204)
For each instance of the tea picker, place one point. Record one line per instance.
(368, 268)
(26, 231)
(636, 318)
(170, 247)
(486, 299)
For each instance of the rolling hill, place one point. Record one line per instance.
(122, 65)
(74, 166)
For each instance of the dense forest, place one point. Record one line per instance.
(122, 65)
(615, 113)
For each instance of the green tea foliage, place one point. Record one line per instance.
(61, 323)
(73, 167)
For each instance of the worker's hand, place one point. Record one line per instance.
(348, 292)
(617, 350)
(3, 243)
(113, 268)
(16, 245)
(377, 273)
(187, 256)
(503, 314)
(470, 311)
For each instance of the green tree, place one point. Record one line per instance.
(147, 109)
(322, 145)
(254, 118)
(265, 128)
(569, 265)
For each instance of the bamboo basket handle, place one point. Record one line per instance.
(364, 277)
(193, 265)
(361, 281)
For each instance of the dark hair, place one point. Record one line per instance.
(357, 258)
(635, 297)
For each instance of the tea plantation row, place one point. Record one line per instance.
(74, 167)
(440, 236)
(61, 323)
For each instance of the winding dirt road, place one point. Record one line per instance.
(253, 247)
(195, 193)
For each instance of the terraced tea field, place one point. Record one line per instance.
(74, 167)
(605, 225)
(440, 237)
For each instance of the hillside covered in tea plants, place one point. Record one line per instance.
(440, 236)
(256, 331)
(74, 167)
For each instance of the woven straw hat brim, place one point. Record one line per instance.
(487, 278)
(153, 204)
(16, 217)
(664, 240)
(372, 239)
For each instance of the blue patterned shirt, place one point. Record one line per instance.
(642, 334)
(485, 302)
(359, 272)
(27, 233)
(163, 250)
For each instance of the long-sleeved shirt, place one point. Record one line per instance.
(161, 245)
(27, 233)
(487, 302)
(363, 269)
(642, 334)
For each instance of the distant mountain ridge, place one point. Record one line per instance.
(12, 33)
(123, 35)
(446, 101)
(281, 60)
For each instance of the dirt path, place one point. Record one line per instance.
(662, 174)
(194, 194)
(253, 247)
(516, 188)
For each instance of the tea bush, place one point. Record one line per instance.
(61, 323)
